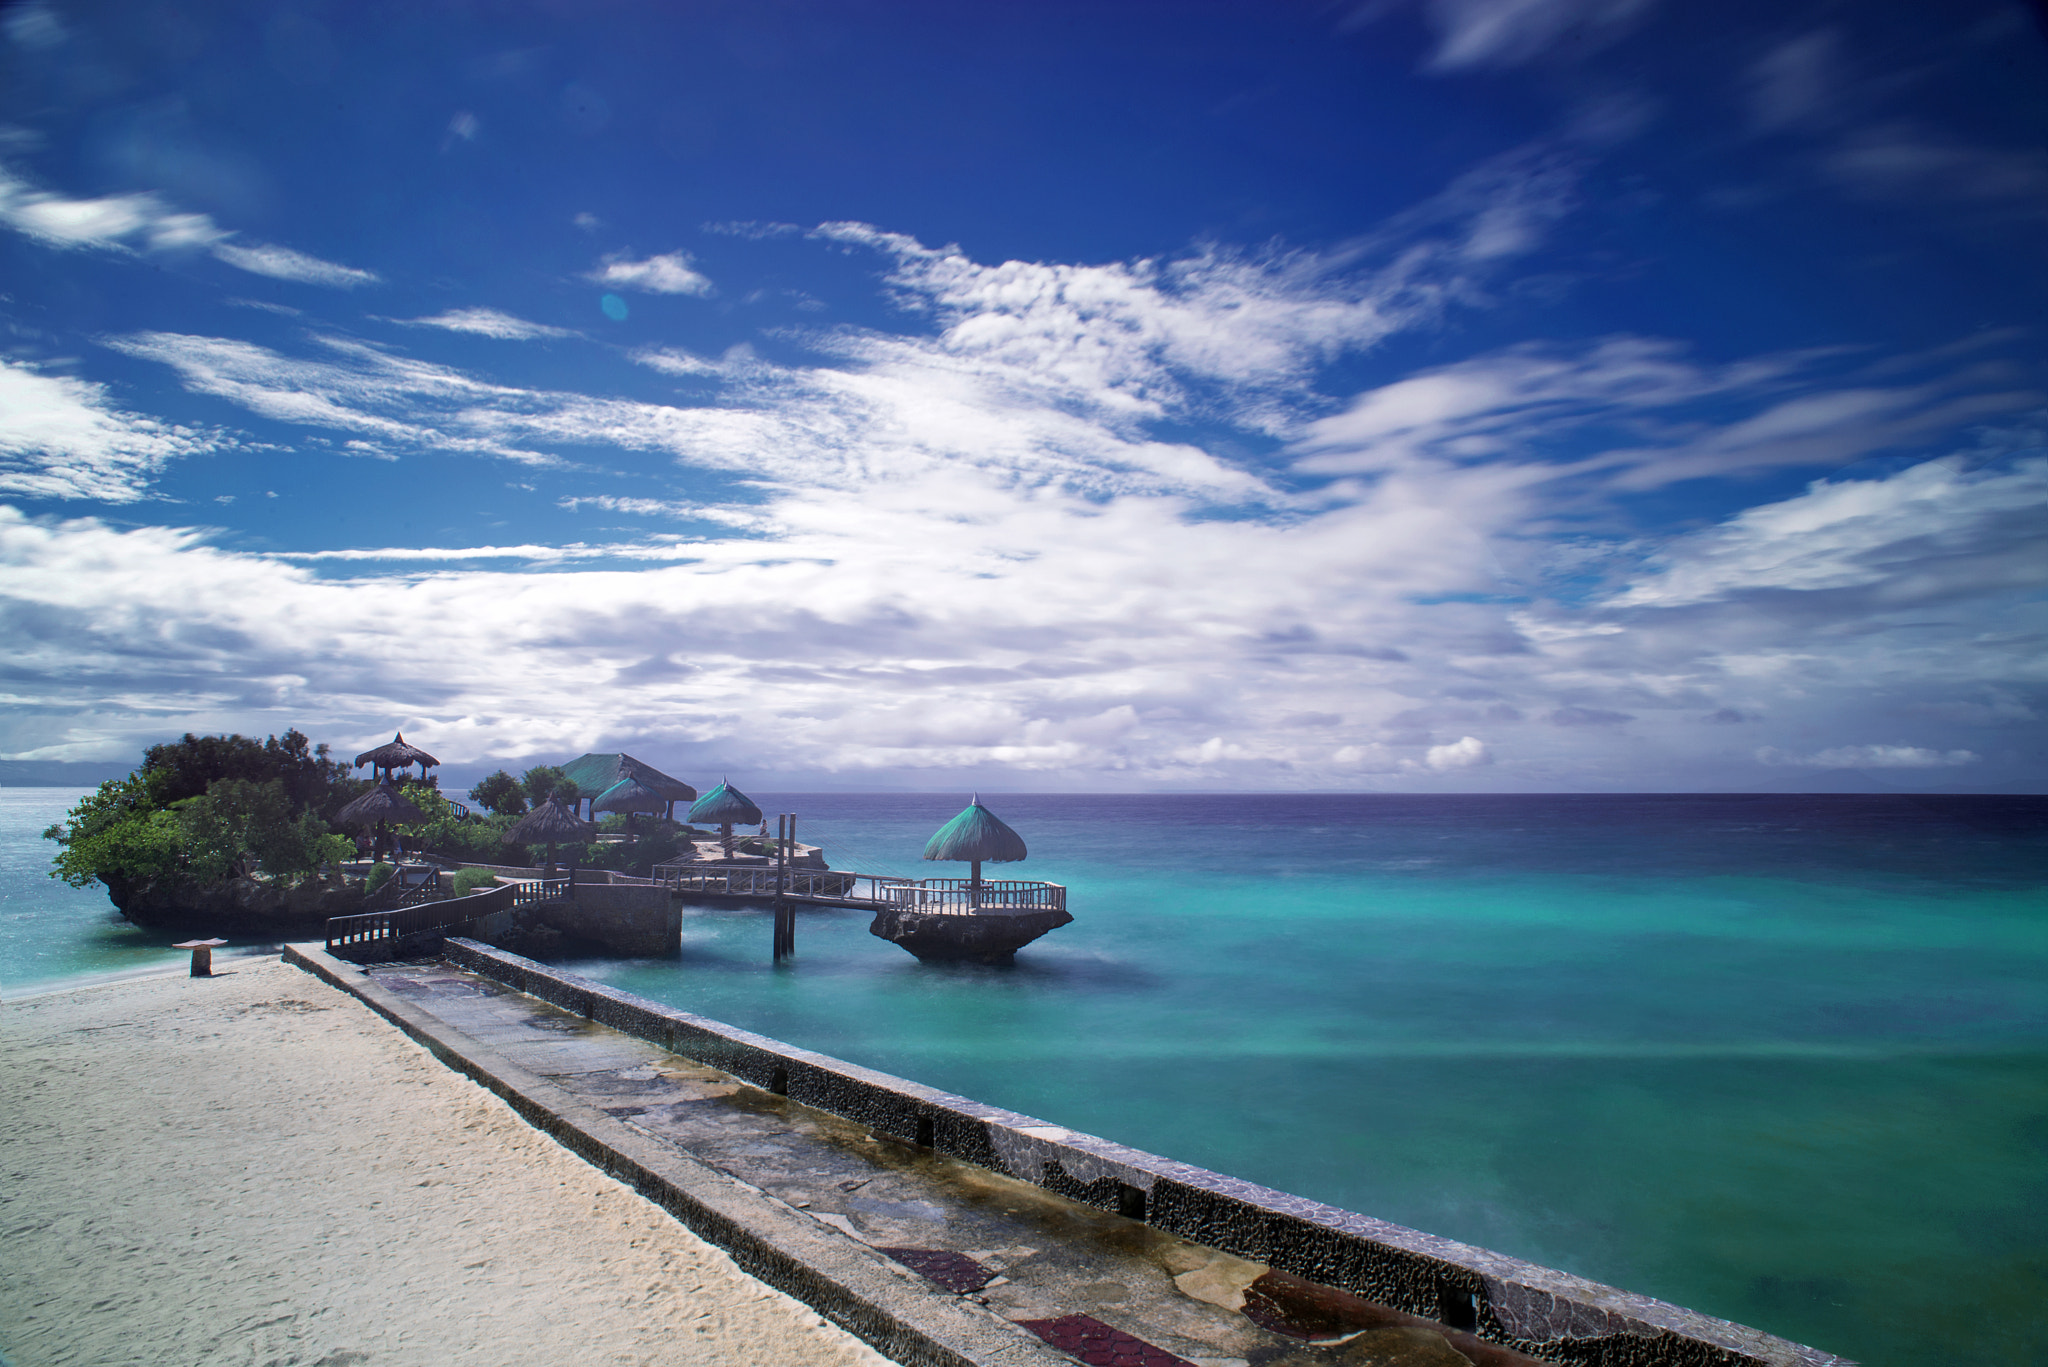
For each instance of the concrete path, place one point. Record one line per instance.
(973, 1266)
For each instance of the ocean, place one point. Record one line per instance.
(1776, 1058)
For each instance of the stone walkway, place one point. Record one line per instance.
(1098, 1287)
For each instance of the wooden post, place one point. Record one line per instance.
(781, 905)
(974, 886)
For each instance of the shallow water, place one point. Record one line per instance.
(52, 934)
(1778, 1059)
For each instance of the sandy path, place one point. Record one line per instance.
(254, 1169)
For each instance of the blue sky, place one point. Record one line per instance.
(1522, 395)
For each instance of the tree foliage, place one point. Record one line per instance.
(206, 808)
(501, 794)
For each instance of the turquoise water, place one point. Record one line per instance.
(1777, 1059)
(52, 934)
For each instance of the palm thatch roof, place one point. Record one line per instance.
(976, 834)
(725, 805)
(548, 823)
(382, 803)
(630, 795)
(593, 774)
(397, 755)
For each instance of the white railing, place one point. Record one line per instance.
(962, 897)
(954, 896)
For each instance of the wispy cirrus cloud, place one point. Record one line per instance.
(1871, 757)
(484, 322)
(1641, 413)
(65, 438)
(282, 263)
(146, 221)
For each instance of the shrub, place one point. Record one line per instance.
(467, 881)
(380, 874)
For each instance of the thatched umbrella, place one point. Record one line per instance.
(381, 804)
(631, 796)
(397, 755)
(974, 835)
(723, 806)
(549, 824)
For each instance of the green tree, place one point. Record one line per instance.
(545, 781)
(500, 794)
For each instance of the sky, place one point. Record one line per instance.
(1388, 395)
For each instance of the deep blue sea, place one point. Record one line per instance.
(1780, 1059)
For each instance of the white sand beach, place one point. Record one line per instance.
(254, 1169)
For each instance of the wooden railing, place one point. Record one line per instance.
(531, 890)
(351, 936)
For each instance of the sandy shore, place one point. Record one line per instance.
(254, 1169)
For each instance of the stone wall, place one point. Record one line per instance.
(1537, 1310)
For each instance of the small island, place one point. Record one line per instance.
(226, 834)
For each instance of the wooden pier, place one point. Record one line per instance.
(860, 891)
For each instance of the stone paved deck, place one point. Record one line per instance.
(1096, 1286)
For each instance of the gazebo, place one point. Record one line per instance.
(386, 759)
(631, 796)
(975, 835)
(722, 807)
(382, 804)
(595, 774)
(549, 824)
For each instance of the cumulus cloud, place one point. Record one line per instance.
(482, 322)
(669, 274)
(65, 438)
(1464, 753)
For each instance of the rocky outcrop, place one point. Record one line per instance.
(990, 935)
(246, 905)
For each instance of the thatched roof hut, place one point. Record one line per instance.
(630, 795)
(722, 807)
(976, 834)
(382, 803)
(725, 805)
(548, 824)
(594, 774)
(397, 755)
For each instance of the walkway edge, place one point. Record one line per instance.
(841, 1278)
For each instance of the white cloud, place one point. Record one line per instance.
(1463, 753)
(670, 274)
(63, 438)
(1638, 412)
(1797, 82)
(282, 263)
(482, 322)
(1900, 160)
(1929, 528)
(1871, 757)
(113, 222)
(1499, 33)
